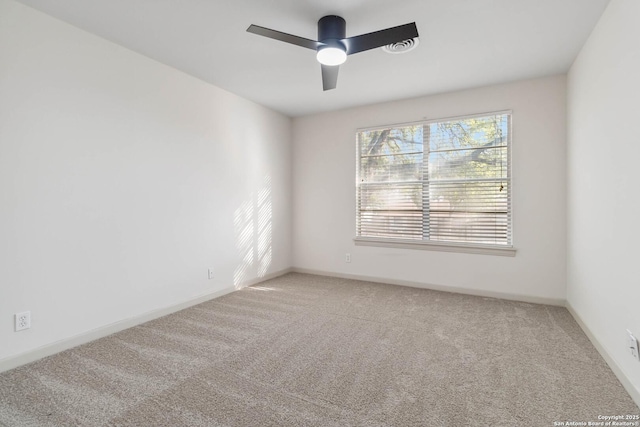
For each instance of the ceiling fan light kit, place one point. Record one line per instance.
(331, 56)
(333, 47)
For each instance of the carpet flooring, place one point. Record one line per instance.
(303, 350)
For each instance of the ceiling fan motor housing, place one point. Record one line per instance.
(331, 30)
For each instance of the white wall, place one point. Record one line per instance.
(603, 197)
(324, 194)
(122, 180)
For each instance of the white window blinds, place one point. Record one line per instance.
(436, 181)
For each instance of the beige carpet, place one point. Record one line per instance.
(304, 350)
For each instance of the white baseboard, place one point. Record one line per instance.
(617, 370)
(457, 290)
(94, 334)
(269, 276)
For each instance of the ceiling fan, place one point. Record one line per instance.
(333, 46)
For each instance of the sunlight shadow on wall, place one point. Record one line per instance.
(253, 229)
(264, 229)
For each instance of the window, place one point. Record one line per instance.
(442, 183)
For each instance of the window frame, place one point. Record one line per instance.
(434, 245)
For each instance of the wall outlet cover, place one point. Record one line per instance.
(23, 321)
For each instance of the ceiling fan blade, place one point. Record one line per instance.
(380, 38)
(284, 37)
(329, 76)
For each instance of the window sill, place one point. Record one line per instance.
(433, 246)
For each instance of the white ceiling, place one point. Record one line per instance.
(463, 43)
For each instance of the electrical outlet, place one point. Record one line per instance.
(210, 274)
(23, 320)
(347, 258)
(632, 344)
